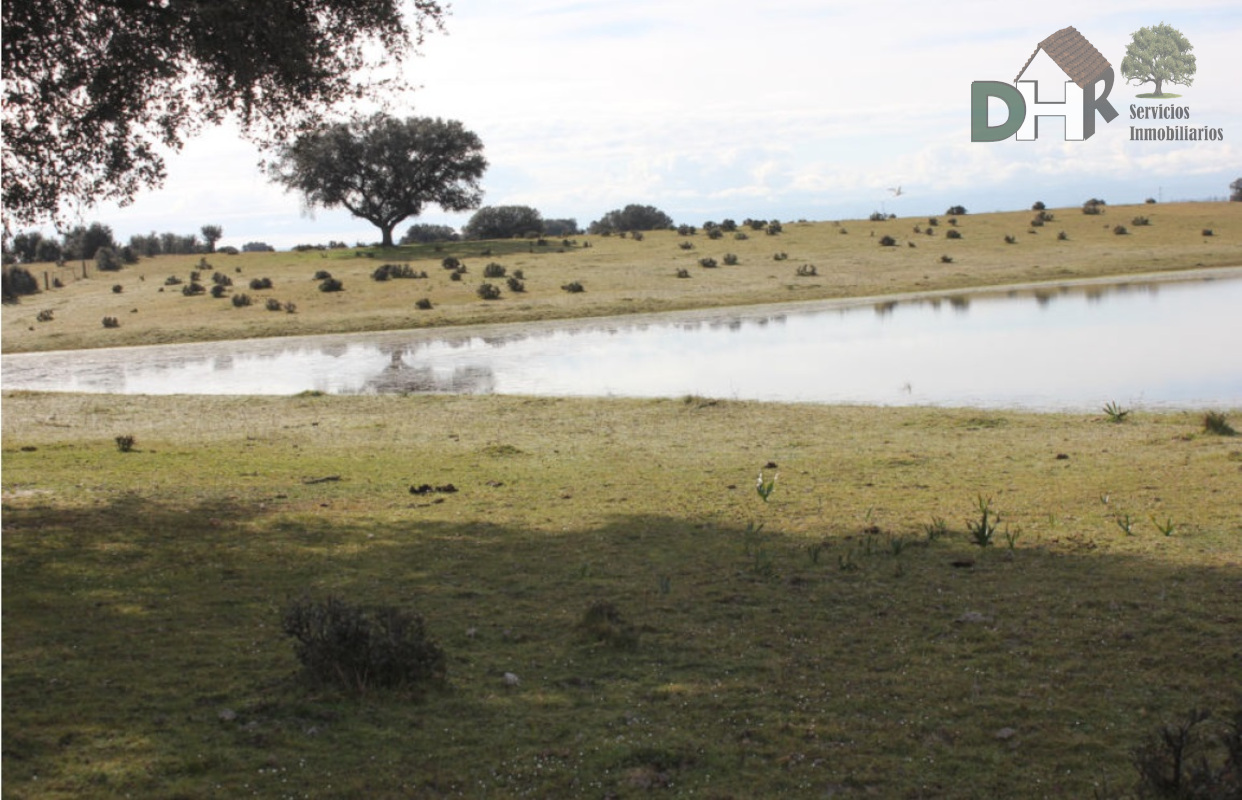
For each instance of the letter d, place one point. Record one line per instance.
(980, 91)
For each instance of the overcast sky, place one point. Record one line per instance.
(789, 109)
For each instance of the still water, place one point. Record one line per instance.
(1175, 344)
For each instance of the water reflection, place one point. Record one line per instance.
(1051, 347)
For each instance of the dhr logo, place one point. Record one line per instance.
(1065, 54)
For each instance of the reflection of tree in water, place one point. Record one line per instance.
(401, 378)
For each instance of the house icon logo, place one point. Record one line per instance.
(1060, 79)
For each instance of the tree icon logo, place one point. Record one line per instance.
(1159, 54)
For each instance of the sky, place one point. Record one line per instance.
(789, 109)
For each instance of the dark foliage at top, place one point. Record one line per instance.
(93, 91)
(632, 218)
(956, 211)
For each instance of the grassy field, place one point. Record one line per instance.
(846, 648)
(619, 275)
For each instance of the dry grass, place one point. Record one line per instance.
(142, 594)
(620, 275)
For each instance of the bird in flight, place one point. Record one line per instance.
(896, 192)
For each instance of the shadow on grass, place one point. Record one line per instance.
(142, 654)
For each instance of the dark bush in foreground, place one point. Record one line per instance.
(331, 285)
(888, 241)
(18, 281)
(707, 261)
(260, 283)
(362, 648)
(1191, 761)
(387, 271)
(573, 287)
(322, 275)
(111, 322)
(488, 291)
(515, 284)
(954, 234)
(423, 304)
(494, 270)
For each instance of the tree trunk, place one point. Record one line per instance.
(1158, 92)
(387, 235)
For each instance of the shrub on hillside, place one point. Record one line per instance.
(260, 283)
(331, 285)
(358, 649)
(488, 291)
(955, 211)
(888, 241)
(954, 234)
(18, 281)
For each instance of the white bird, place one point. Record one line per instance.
(896, 192)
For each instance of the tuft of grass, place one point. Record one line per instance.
(983, 529)
(1115, 412)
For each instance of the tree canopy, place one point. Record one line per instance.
(1235, 190)
(385, 170)
(95, 89)
(503, 222)
(632, 218)
(1159, 54)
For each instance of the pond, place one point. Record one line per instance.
(1140, 343)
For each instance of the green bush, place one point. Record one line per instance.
(807, 271)
(493, 270)
(219, 290)
(273, 304)
(573, 287)
(515, 284)
(774, 228)
(888, 241)
(111, 322)
(423, 304)
(488, 291)
(1140, 221)
(730, 259)
(241, 300)
(708, 262)
(955, 211)
(192, 289)
(358, 649)
(322, 275)
(18, 281)
(953, 234)
(331, 285)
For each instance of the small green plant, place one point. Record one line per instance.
(813, 551)
(125, 443)
(896, 544)
(1011, 537)
(1217, 423)
(1115, 413)
(982, 530)
(765, 488)
(1125, 523)
(935, 529)
(358, 649)
(1167, 527)
(602, 623)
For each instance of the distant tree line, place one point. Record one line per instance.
(84, 243)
